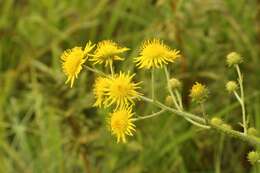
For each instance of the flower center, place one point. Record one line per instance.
(119, 123)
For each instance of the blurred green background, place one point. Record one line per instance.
(46, 127)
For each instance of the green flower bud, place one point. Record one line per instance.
(231, 86)
(175, 83)
(253, 157)
(226, 126)
(168, 100)
(234, 58)
(252, 131)
(216, 121)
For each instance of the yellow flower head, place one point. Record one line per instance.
(155, 54)
(199, 92)
(107, 51)
(100, 88)
(73, 59)
(121, 90)
(121, 124)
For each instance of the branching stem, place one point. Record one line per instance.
(242, 98)
(169, 88)
(152, 84)
(149, 116)
(232, 133)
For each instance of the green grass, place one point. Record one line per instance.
(45, 127)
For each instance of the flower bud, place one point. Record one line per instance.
(252, 131)
(253, 157)
(231, 86)
(175, 83)
(199, 92)
(234, 58)
(227, 126)
(216, 121)
(168, 100)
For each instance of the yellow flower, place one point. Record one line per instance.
(107, 51)
(73, 59)
(100, 88)
(199, 92)
(121, 90)
(88, 48)
(154, 53)
(121, 124)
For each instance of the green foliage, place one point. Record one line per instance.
(46, 127)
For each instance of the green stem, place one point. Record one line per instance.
(149, 116)
(196, 123)
(232, 133)
(204, 112)
(179, 98)
(95, 71)
(237, 97)
(219, 154)
(111, 69)
(242, 102)
(152, 84)
(177, 112)
(169, 88)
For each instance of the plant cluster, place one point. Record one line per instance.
(119, 91)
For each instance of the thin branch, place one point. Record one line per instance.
(149, 116)
(111, 69)
(152, 84)
(179, 98)
(169, 88)
(240, 81)
(232, 133)
(95, 71)
(177, 112)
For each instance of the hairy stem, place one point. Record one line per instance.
(179, 98)
(232, 133)
(177, 112)
(111, 69)
(149, 116)
(204, 112)
(95, 71)
(169, 88)
(242, 102)
(152, 84)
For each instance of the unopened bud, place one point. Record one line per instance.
(226, 126)
(231, 86)
(252, 131)
(175, 83)
(168, 100)
(234, 58)
(216, 121)
(253, 157)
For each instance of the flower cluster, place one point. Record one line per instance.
(117, 90)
